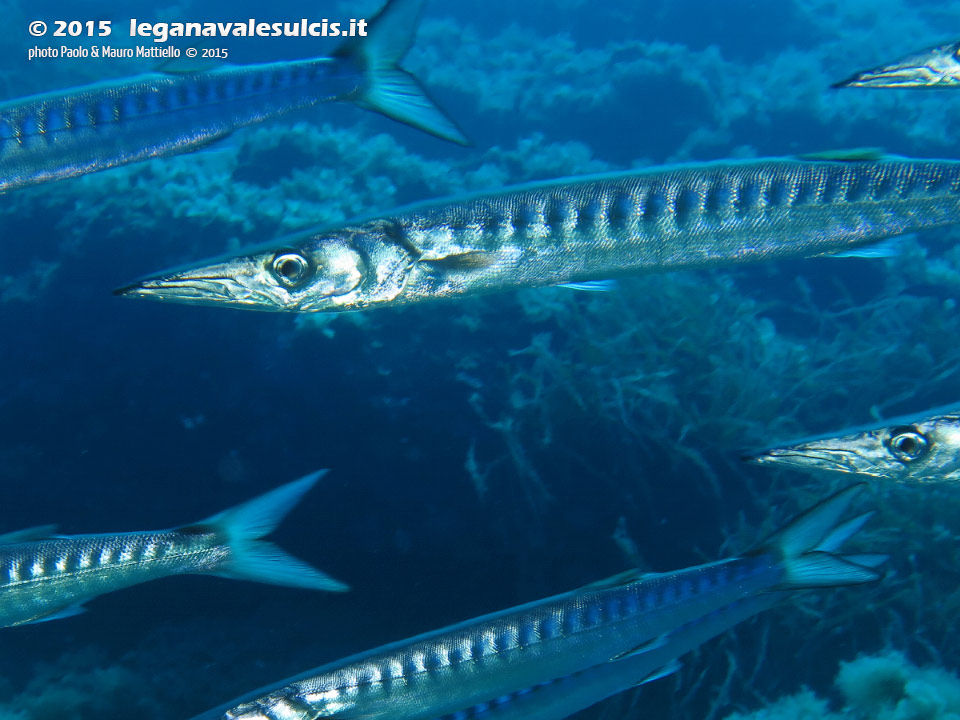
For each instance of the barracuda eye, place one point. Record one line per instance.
(291, 269)
(907, 445)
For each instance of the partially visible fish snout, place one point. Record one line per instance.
(246, 711)
(936, 67)
(900, 449)
(271, 707)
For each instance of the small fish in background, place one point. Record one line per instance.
(232, 469)
(904, 449)
(581, 229)
(47, 577)
(936, 67)
(551, 658)
(96, 127)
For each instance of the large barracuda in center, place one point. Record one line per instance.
(550, 658)
(579, 229)
(82, 130)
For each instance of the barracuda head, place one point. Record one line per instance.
(329, 271)
(933, 68)
(925, 450)
(288, 703)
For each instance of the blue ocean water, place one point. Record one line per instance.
(492, 451)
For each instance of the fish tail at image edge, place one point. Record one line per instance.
(243, 528)
(389, 89)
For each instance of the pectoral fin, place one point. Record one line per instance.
(459, 262)
(668, 669)
(889, 248)
(591, 285)
(653, 644)
(69, 611)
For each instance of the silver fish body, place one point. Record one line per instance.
(38, 577)
(579, 229)
(935, 67)
(59, 135)
(45, 578)
(561, 697)
(64, 134)
(552, 657)
(905, 449)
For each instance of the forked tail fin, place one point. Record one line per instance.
(252, 558)
(388, 88)
(808, 546)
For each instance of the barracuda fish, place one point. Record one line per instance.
(550, 658)
(47, 577)
(936, 67)
(97, 127)
(903, 449)
(579, 229)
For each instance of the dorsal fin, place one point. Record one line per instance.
(864, 154)
(30, 534)
(619, 580)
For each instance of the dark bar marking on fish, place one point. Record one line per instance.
(587, 213)
(30, 127)
(619, 210)
(492, 222)
(718, 199)
(684, 206)
(906, 185)
(524, 217)
(655, 205)
(806, 193)
(831, 188)
(748, 197)
(777, 193)
(553, 212)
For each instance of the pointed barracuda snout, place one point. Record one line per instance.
(306, 275)
(935, 67)
(209, 284)
(904, 449)
(817, 455)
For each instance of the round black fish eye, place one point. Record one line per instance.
(290, 269)
(907, 445)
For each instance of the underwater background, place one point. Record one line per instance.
(490, 451)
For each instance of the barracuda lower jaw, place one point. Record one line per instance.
(813, 460)
(882, 79)
(892, 80)
(212, 291)
(899, 76)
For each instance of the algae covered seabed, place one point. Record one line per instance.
(495, 450)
